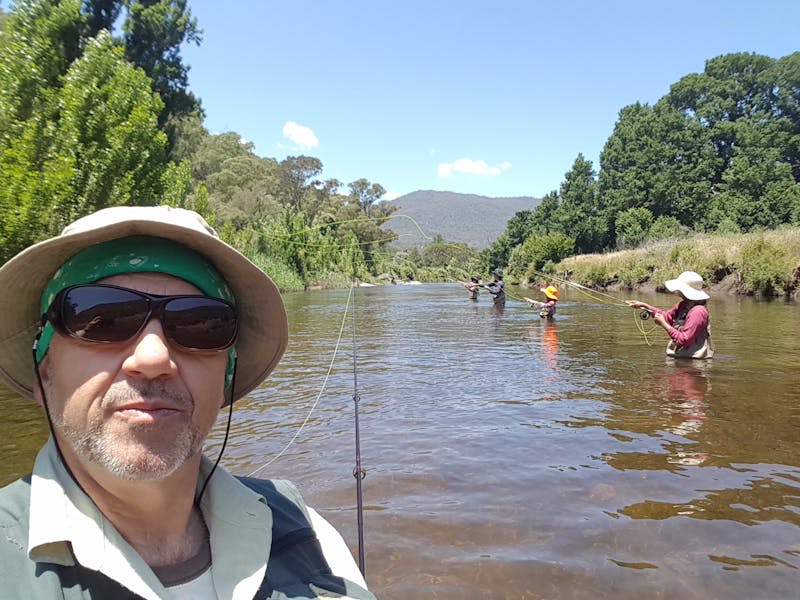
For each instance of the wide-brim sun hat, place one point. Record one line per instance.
(688, 283)
(263, 328)
(550, 291)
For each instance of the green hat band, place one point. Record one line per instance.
(135, 254)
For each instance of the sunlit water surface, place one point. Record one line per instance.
(509, 457)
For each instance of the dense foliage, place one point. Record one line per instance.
(78, 124)
(92, 117)
(719, 153)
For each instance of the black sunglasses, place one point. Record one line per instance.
(108, 314)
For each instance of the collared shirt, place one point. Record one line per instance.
(239, 522)
(689, 321)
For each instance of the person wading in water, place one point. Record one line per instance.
(495, 288)
(687, 323)
(547, 310)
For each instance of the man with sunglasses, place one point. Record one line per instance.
(132, 329)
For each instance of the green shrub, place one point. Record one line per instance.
(632, 226)
(684, 257)
(664, 228)
(727, 226)
(633, 271)
(764, 267)
(537, 250)
(596, 275)
(281, 273)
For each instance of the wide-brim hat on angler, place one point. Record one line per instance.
(550, 291)
(688, 283)
(263, 330)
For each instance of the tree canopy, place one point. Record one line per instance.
(79, 125)
(92, 117)
(719, 152)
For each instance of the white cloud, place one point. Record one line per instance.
(390, 196)
(300, 135)
(470, 167)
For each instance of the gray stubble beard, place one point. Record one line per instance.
(131, 458)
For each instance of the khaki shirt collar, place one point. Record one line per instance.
(67, 528)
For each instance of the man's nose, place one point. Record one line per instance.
(151, 355)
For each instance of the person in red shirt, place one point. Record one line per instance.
(687, 323)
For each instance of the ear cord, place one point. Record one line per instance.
(225, 440)
(34, 348)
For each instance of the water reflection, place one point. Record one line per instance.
(542, 339)
(511, 457)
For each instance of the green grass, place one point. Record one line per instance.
(765, 263)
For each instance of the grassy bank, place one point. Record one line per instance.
(765, 263)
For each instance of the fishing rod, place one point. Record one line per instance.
(358, 472)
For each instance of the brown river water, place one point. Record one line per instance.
(509, 457)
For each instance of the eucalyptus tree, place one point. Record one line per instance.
(245, 189)
(208, 156)
(365, 194)
(188, 135)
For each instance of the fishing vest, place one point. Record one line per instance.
(702, 347)
(547, 311)
(296, 568)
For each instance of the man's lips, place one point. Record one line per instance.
(154, 409)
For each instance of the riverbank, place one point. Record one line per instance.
(765, 263)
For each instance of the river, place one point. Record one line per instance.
(510, 457)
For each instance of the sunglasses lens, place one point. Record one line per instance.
(200, 323)
(103, 314)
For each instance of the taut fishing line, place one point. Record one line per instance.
(603, 298)
(358, 472)
(319, 394)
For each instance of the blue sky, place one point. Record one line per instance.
(490, 98)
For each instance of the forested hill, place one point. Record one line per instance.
(474, 220)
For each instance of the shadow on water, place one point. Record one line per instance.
(513, 457)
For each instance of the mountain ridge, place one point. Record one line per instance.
(474, 220)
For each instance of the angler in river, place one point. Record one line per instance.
(687, 323)
(132, 330)
(472, 287)
(547, 309)
(496, 288)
